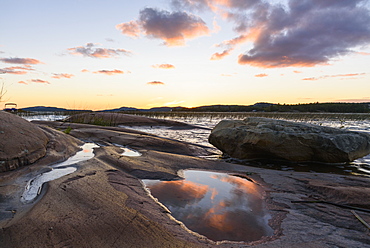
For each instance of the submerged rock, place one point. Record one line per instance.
(268, 138)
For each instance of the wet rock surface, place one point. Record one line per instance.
(103, 203)
(268, 138)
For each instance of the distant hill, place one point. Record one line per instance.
(156, 109)
(120, 109)
(50, 109)
(269, 107)
(257, 107)
(229, 108)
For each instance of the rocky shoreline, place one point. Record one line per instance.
(104, 204)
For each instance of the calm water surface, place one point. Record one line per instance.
(216, 205)
(351, 122)
(34, 185)
(200, 136)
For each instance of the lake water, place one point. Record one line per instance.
(351, 122)
(200, 136)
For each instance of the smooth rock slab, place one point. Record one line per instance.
(21, 142)
(269, 138)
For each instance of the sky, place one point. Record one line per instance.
(90, 54)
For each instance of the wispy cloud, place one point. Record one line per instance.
(89, 50)
(230, 45)
(228, 74)
(155, 83)
(261, 75)
(39, 81)
(23, 61)
(9, 71)
(343, 76)
(174, 28)
(62, 75)
(310, 79)
(163, 66)
(175, 102)
(109, 72)
(17, 70)
(132, 28)
(298, 34)
(363, 53)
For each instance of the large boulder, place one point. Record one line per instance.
(24, 143)
(268, 138)
(21, 142)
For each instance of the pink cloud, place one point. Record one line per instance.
(348, 76)
(230, 45)
(39, 81)
(109, 72)
(291, 34)
(23, 82)
(62, 75)
(174, 28)
(156, 83)
(7, 71)
(310, 79)
(164, 66)
(24, 61)
(25, 67)
(17, 70)
(261, 75)
(218, 56)
(363, 53)
(131, 28)
(89, 50)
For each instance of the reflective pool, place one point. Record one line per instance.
(130, 152)
(34, 186)
(216, 205)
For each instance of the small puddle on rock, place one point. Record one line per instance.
(216, 205)
(130, 152)
(34, 186)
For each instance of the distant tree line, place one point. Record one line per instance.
(269, 107)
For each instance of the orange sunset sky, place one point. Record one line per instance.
(107, 54)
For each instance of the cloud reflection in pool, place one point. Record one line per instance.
(216, 205)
